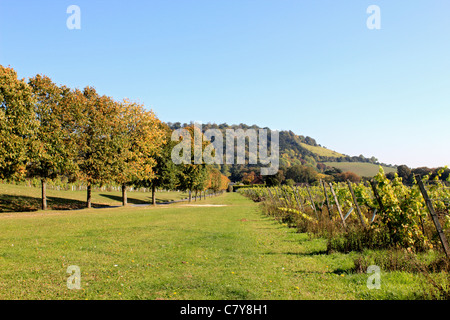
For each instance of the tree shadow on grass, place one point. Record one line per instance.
(129, 200)
(15, 203)
(56, 203)
(311, 253)
(137, 201)
(338, 271)
(10, 203)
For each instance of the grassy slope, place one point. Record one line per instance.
(322, 151)
(176, 252)
(23, 198)
(361, 169)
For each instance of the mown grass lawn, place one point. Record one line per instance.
(177, 252)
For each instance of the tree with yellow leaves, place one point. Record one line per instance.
(54, 150)
(17, 124)
(140, 137)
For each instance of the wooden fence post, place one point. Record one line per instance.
(312, 201)
(324, 186)
(338, 205)
(278, 196)
(299, 204)
(265, 192)
(286, 195)
(270, 194)
(434, 216)
(358, 210)
(376, 194)
(297, 192)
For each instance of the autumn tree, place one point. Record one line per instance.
(348, 175)
(194, 178)
(193, 174)
(224, 182)
(216, 181)
(405, 173)
(53, 146)
(213, 181)
(165, 171)
(17, 124)
(275, 179)
(247, 178)
(300, 173)
(139, 137)
(97, 137)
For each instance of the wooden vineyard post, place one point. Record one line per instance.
(355, 201)
(338, 205)
(299, 204)
(312, 201)
(376, 194)
(434, 217)
(264, 194)
(271, 196)
(326, 199)
(275, 197)
(291, 197)
(286, 197)
(380, 203)
(278, 196)
(297, 192)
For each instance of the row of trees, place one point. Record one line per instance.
(407, 174)
(48, 131)
(299, 174)
(305, 174)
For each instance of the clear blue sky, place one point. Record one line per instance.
(309, 66)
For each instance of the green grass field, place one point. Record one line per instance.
(360, 168)
(178, 251)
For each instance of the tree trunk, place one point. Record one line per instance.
(190, 196)
(154, 195)
(89, 196)
(195, 198)
(124, 195)
(44, 194)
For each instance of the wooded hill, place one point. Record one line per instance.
(298, 150)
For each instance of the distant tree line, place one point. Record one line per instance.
(298, 175)
(407, 174)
